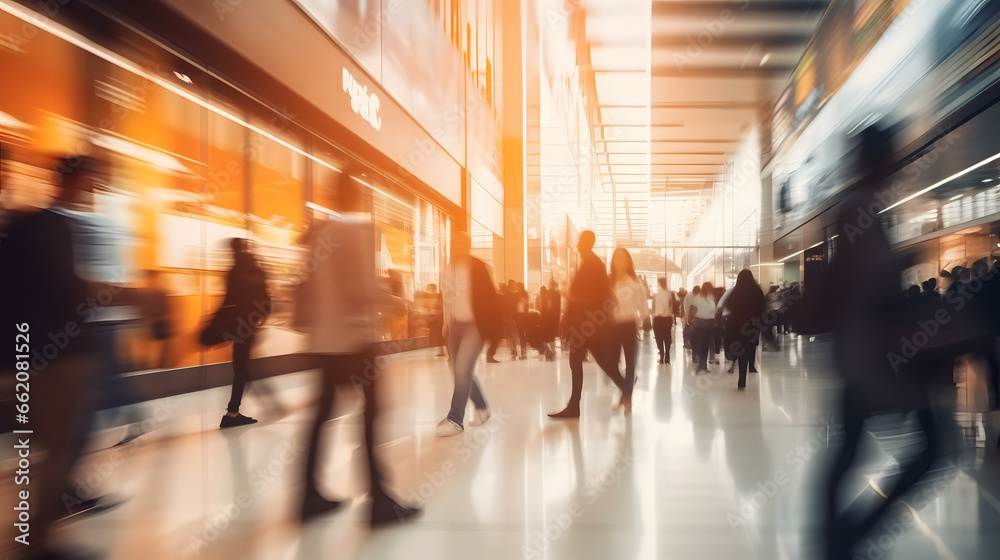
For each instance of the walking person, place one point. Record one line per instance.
(337, 308)
(589, 313)
(663, 320)
(738, 308)
(702, 313)
(688, 333)
(470, 315)
(630, 313)
(436, 319)
(42, 283)
(250, 304)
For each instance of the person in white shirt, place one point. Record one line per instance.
(337, 309)
(702, 310)
(630, 312)
(689, 317)
(663, 320)
(471, 316)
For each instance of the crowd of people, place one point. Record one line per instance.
(603, 312)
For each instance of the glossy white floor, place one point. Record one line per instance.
(699, 470)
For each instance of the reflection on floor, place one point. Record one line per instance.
(699, 470)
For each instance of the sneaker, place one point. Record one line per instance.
(481, 416)
(448, 427)
(234, 421)
(386, 511)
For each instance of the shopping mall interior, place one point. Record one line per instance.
(762, 234)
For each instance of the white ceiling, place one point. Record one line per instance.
(680, 83)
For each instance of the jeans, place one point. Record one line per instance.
(627, 338)
(464, 346)
(704, 332)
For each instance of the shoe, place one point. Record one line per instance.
(88, 507)
(667, 361)
(134, 432)
(315, 505)
(567, 413)
(492, 361)
(448, 427)
(234, 421)
(481, 416)
(753, 370)
(731, 368)
(741, 387)
(385, 511)
(660, 359)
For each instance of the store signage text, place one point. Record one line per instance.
(363, 103)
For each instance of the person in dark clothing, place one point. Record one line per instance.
(866, 307)
(247, 297)
(589, 317)
(743, 304)
(435, 319)
(43, 288)
(550, 309)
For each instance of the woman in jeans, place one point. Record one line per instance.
(703, 310)
(630, 312)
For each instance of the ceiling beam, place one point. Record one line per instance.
(722, 72)
(774, 41)
(713, 8)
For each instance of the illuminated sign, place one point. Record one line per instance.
(363, 103)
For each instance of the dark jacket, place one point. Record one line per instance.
(486, 303)
(39, 284)
(590, 291)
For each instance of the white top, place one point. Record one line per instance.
(344, 286)
(631, 301)
(663, 304)
(456, 292)
(704, 307)
(99, 255)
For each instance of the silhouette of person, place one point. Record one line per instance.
(589, 315)
(246, 295)
(43, 288)
(701, 310)
(436, 322)
(867, 276)
(744, 303)
(470, 311)
(340, 303)
(630, 312)
(663, 320)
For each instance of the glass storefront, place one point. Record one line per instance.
(191, 165)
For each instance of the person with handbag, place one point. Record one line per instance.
(471, 311)
(244, 309)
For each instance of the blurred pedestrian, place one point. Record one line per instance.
(471, 316)
(631, 311)
(742, 305)
(589, 313)
(337, 309)
(663, 320)
(702, 313)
